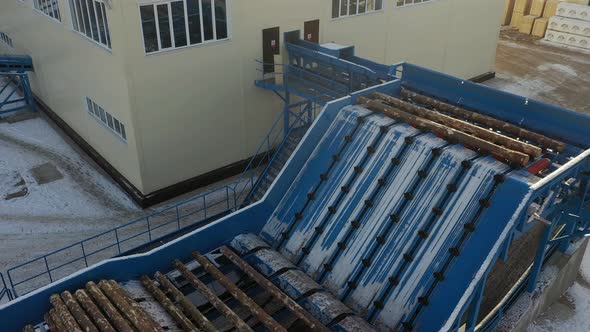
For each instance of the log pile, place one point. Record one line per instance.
(506, 142)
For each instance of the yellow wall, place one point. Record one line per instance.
(69, 67)
(194, 110)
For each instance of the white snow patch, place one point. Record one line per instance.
(563, 69)
(572, 315)
(30, 143)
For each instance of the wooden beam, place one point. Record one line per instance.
(108, 308)
(129, 308)
(100, 321)
(309, 320)
(212, 298)
(78, 313)
(466, 127)
(64, 314)
(238, 294)
(445, 132)
(486, 120)
(191, 310)
(168, 305)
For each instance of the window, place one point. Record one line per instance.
(7, 40)
(409, 2)
(342, 8)
(49, 8)
(106, 118)
(177, 24)
(89, 18)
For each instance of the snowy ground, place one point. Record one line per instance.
(45, 217)
(571, 312)
(561, 77)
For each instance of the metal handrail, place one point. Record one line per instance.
(288, 68)
(4, 291)
(274, 157)
(208, 201)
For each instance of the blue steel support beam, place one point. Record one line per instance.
(476, 305)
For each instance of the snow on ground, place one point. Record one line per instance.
(30, 143)
(572, 312)
(52, 196)
(43, 210)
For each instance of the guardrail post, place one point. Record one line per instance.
(84, 253)
(12, 285)
(47, 266)
(117, 238)
(177, 217)
(204, 207)
(149, 228)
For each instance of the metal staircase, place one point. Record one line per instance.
(275, 166)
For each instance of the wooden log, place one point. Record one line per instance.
(108, 308)
(53, 321)
(309, 320)
(212, 298)
(466, 127)
(29, 328)
(195, 314)
(237, 293)
(487, 120)
(78, 313)
(100, 321)
(142, 313)
(64, 314)
(446, 132)
(170, 308)
(132, 313)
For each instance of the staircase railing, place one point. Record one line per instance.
(302, 119)
(271, 143)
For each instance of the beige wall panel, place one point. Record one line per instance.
(473, 36)
(69, 67)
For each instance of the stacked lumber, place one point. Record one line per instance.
(532, 17)
(571, 26)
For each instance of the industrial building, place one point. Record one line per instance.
(420, 202)
(161, 93)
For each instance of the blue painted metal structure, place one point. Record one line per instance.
(5, 292)
(352, 164)
(14, 81)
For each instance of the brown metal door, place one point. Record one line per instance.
(312, 31)
(270, 47)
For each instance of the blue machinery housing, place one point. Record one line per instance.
(15, 88)
(402, 226)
